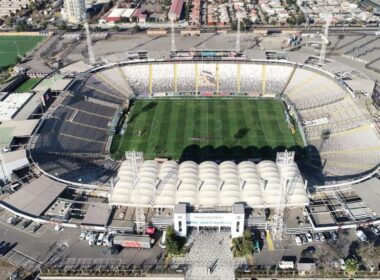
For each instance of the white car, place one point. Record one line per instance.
(88, 235)
(322, 237)
(309, 237)
(58, 227)
(375, 230)
(361, 235)
(316, 237)
(298, 240)
(342, 264)
(99, 241)
(82, 235)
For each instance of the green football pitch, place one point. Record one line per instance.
(206, 129)
(11, 46)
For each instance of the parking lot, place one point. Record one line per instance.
(23, 225)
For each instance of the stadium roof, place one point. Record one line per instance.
(208, 184)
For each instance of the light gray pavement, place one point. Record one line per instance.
(210, 256)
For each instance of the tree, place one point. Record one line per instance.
(352, 266)
(174, 244)
(369, 255)
(243, 246)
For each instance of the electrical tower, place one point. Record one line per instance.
(173, 36)
(325, 39)
(135, 160)
(91, 56)
(283, 159)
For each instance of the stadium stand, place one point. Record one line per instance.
(79, 128)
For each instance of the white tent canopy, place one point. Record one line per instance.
(208, 184)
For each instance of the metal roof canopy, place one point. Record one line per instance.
(34, 198)
(97, 214)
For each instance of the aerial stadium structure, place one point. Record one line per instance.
(73, 141)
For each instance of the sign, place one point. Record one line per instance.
(211, 219)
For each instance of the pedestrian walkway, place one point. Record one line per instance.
(210, 256)
(269, 241)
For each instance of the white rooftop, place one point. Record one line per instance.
(11, 104)
(208, 184)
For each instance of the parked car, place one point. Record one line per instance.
(375, 230)
(58, 227)
(88, 235)
(308, 252)
(342, 264)
(35, 228)
(309, 237)
(334, 236)
(99, 241)
(361, 235)
(322, 237)
(303, 238)
(16, 221)
(316, 237)
(10, 219)
(327, 235)
(298, 240)
(26, 223)
(82, 235)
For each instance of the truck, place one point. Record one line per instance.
(133, 241)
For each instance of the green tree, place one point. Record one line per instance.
(174, 244)
(369, 255)
(352, 266)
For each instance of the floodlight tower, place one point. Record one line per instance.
(238, 36)
(325, 39)
(135, 160)
(91, 56)
(283, 159)
(173, 36)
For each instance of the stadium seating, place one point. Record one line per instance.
(80, 124)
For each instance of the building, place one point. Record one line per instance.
(74, 10)
(175, 10)
(8, 7)
(208, 195)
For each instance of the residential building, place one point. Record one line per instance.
(8, 7)
(74, 10)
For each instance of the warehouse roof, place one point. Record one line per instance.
(208, 184)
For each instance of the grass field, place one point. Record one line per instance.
(28, 85)
(10, 46)
(202, 129)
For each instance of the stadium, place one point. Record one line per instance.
(210, 136)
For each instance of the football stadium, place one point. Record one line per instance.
(199, 143)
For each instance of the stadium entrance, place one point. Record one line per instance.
(215, 221)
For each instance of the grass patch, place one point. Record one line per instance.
(28, 85)
(206, 129)
(11, 46)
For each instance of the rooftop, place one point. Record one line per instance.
(11, 104)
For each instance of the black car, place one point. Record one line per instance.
(35, 228)
(26, 223)
(308, 252)
(327, 235)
